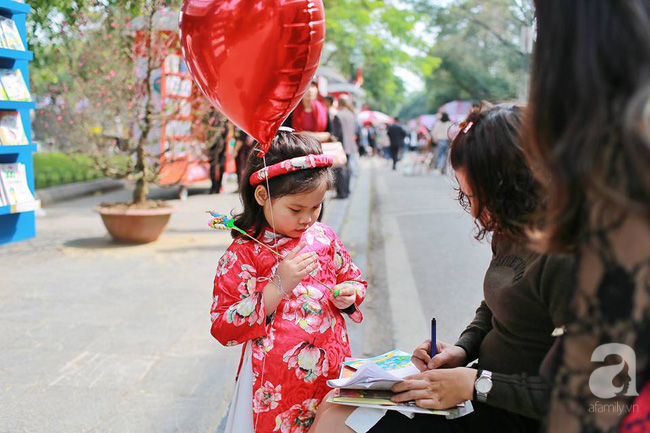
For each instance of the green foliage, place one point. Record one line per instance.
(95, 80)
(476, 54)
(52, 169)
(370, 34)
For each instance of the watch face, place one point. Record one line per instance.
(483, 385)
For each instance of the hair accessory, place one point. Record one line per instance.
(465, 126)
(286, 129)
(290, 165)
(224, 222)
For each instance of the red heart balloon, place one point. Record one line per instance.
(253, 59)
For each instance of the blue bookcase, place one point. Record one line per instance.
(18, 222)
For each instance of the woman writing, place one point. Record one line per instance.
(524, 300)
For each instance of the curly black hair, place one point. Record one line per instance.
(488, 150)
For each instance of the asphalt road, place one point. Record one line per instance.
(434, 267)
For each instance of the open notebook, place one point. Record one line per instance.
(372, 376)
(367, 383)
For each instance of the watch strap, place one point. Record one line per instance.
(478, 374)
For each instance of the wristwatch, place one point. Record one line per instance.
(483, 385)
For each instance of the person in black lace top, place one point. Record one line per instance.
(589, 139)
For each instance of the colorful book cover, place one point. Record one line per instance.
(14, 86)
(3, 40)
(370, 396)
(11, 129)
(3, 94)
(4, 200)
(393, 360)
(173, 64)
(11, 35)
(14, 183)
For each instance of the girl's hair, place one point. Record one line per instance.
(285, 145)
(492, 159)
(444, 117)
(588, 133)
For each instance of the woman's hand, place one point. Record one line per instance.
(294, 267)
(347, 296)
(447, 355)
(437, 389)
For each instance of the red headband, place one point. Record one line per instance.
(290, 165)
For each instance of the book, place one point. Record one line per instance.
(368, 396)
(379, 372)
(374, 400)
(11, 37)
(3, 94)
(14, 86)
(12, 132)
(372, 376)
(393, 360)
(14, 183)
(173, 64)
(367, 383)
(4, 200)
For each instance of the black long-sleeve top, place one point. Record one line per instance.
(525, 298)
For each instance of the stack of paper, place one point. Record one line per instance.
(367, 383)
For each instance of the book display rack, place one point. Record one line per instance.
(17, 202)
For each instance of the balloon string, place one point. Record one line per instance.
(278, 256)
(268, 193)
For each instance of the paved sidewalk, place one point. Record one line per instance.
(98, 336)
(103, 337)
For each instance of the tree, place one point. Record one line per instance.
(370, 34)
(105, 99)
(477, 53)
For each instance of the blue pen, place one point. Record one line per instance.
(433, 338)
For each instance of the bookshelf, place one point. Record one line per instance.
(17, 222)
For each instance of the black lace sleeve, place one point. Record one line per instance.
(605, 353)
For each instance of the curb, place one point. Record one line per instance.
(69, 191)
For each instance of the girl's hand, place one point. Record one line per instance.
(447, 355)
(347, 296)
(437, 389)
(294, 267)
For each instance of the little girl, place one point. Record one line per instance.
(279, 308)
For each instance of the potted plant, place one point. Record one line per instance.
(112, 97)
(141, 220)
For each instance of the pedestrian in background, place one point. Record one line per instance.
(217, 151)
(311, 116)
(397, 135)
(440, 135)
(243, 147)
(328, 102)
(345, 128)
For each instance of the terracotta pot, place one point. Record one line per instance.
(135, 226)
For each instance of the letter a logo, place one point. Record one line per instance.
(601, 381)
